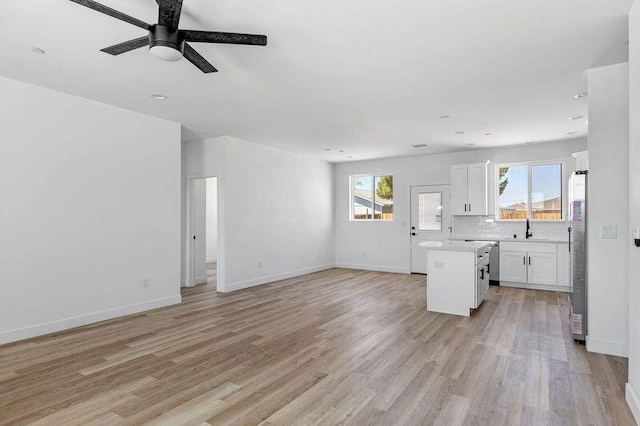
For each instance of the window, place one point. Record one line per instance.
(372, 197)
(529, 191)
(430, 211)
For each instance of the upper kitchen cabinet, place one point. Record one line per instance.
(469, 190)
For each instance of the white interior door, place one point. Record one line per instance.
(430, 220)
(198, 229)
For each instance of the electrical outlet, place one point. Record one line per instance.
(260, 264)
(609, 231)
(438, 265)
(145, 282)
(319, 255)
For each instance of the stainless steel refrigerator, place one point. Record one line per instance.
(578, 253)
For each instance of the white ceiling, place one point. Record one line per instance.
(366, 77)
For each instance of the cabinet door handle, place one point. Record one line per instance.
(465, 207)
(529, 260)
(524, 260)
(469, 207)
(482, 274)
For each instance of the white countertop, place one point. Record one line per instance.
(453, 245)
(507, 239)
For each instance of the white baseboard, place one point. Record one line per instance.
(73, 322)
(607, 347)
(634, 402)
(544, 287)
(199, 280)
(376, 268)
(272, 278)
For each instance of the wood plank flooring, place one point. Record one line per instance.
(334, 347)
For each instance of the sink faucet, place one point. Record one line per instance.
(528, 234)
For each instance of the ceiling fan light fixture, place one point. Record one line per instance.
(166, 40)
(166, 53)
(165, 43)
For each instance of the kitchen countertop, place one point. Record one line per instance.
(507, 239)
(451, 245)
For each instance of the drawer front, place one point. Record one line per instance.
(529, 247)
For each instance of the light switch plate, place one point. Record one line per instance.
(609, 231)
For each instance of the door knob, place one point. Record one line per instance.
(413, 234)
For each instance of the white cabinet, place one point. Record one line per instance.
(482, 279)
(541, 268)
(469, 192)
(533, 265)
(513, 266)
(459, 189)
(564, 265)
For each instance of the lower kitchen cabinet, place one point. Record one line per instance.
(534, 265)
(541, 268)
(513, 266)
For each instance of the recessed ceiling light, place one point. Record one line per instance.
(444, 117)
(572, 133)
(469, 144)
(327, 149)
(576, 117)
(488, 134)
(159, 97)
(460, 133)
(581, 95)
(349, 157)
(38, 50)
(420, 145)
(342, 150)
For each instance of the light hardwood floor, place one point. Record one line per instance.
(333, 347)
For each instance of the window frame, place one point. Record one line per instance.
(373, 218)
(530, 165)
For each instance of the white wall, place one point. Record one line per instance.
(633, 387)
(608, 204)
(275, 210)
(385, 246)
(90, 209)
(212, 219)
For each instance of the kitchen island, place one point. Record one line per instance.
(457, 275)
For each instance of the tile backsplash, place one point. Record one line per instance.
(487, 227)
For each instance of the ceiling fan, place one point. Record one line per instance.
(165, 40)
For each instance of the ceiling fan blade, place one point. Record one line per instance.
(112, 12)
(196, 59)
(169, 13)
(126, 46)
(225, 38)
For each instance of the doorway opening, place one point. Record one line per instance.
(203, 232)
